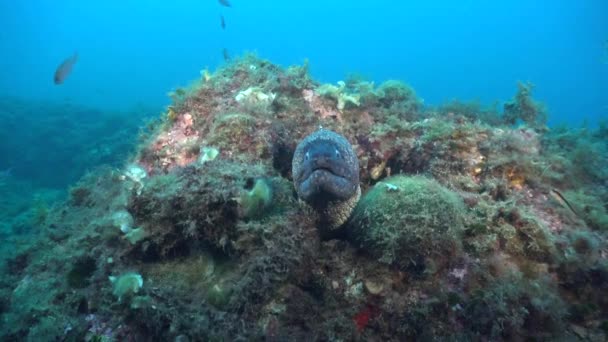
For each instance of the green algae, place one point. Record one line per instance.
(256, 201)
(81, 272)
(218, 295)
(589, 208)
(523, 108)
(473, 110)
(513, 306)
(404, 220)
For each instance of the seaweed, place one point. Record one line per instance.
(523, 107)
(81, 272)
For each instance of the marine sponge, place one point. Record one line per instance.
(255, 95)
(338, 93)
(126, 285)
(135, 235)
(255, 201)
(254, 100)
(123, 220)
(208, 154)
(409, 221)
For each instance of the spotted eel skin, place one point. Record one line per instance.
(325, 173)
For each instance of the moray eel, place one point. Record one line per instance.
(325, 173)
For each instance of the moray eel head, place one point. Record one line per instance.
(325, 172)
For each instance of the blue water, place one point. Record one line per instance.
(132, 52)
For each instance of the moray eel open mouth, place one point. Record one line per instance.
(325, 173)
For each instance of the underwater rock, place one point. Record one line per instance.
(81, 272)
(228, 253)
(219, 295)
(325, 172)
(409, 221)
(197, 205)
(392, 92)
(231, 128)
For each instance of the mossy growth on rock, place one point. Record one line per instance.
(243, 135)
(589, 208)
(229, 128)
(218, 295)
(81, 272)
(255, 202)
(391, 93)
(514, 308)
(523, 107)
(412, 222)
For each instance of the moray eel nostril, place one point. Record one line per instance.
(325, 172)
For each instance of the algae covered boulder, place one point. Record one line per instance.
(409, 221)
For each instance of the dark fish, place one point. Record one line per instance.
(64, 69)
(226, 54)
(223, 22)
(225, 3)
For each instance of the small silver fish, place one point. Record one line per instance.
(223, 22)
(225, 3)
(64, 69)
